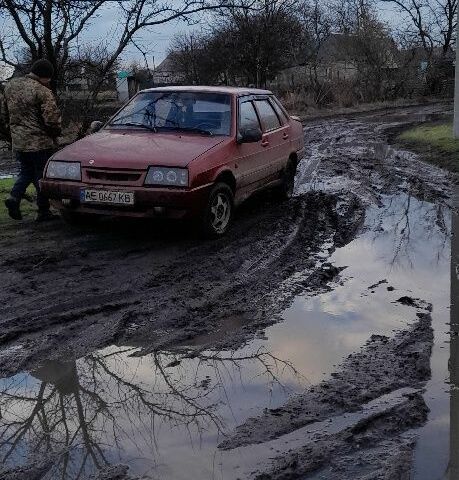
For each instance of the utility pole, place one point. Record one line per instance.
(456, 89)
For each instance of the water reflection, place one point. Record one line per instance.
(454, 343)
(163, 414)
(110, 407)
(400, 218)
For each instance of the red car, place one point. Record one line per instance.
(179, 152)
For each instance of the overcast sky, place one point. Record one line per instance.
(156, 41)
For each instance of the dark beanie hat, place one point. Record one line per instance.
(43, 69)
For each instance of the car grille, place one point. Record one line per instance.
(111, 176)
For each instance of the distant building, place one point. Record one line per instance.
(338, 58)
(167, 73)
(77, 83)
(422, 59)
(80, 79)
(435, 69)
(124, 88)
(128, 83)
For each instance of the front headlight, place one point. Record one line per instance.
(64, 170)
(174, 177)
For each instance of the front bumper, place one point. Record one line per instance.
(148, 201)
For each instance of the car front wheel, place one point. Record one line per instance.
(218, 212)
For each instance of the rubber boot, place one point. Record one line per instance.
(13, 208)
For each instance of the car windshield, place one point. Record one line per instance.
(205, 113)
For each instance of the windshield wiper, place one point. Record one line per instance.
(133, 124)
(193, 130)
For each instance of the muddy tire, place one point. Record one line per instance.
(285, 190)
(218, 213)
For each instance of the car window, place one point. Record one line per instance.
(268, 115)
(248, 118)
(279, 111)
(210, 112)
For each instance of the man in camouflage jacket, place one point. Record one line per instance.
(28, 111)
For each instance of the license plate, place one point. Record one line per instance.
(107, 196)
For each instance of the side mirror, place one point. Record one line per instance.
(294, 117)
(249, 135)
(95, 126)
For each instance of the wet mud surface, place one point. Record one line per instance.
(135, 350)
(135, 290)
(372, 448)
(382, 366)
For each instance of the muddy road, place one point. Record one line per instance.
(308, 343)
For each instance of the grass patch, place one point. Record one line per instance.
(435, 142)
(28, 209)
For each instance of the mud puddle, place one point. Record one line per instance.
(164, 414)
(372, 299)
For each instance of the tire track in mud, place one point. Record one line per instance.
(354, 155)
(377, 446)
(247, 274)
(231, 287)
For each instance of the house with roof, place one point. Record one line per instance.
(339, 57)
(167, 73)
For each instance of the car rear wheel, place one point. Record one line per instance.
(288, 180)
(218, 212)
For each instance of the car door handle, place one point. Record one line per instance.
(285, 136)
(264, 143)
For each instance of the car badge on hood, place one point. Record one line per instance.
(91, 162)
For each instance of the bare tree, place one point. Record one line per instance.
(247, 45)
(189, 52)
(317, 23)
(55, 29)
(430, 23)
(349, 15)
(43, 28)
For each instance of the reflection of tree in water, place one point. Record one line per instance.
(88, 413)
(405, 219)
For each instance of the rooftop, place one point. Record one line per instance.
(220, 89)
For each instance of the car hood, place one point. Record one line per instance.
(137, 150)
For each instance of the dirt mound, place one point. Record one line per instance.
(373, 449)
(383, 365)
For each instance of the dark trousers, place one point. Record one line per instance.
(32, 167)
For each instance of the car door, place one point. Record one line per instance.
(275, 142)
(286, 131)
(250, 163)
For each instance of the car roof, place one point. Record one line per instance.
(238, 91)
